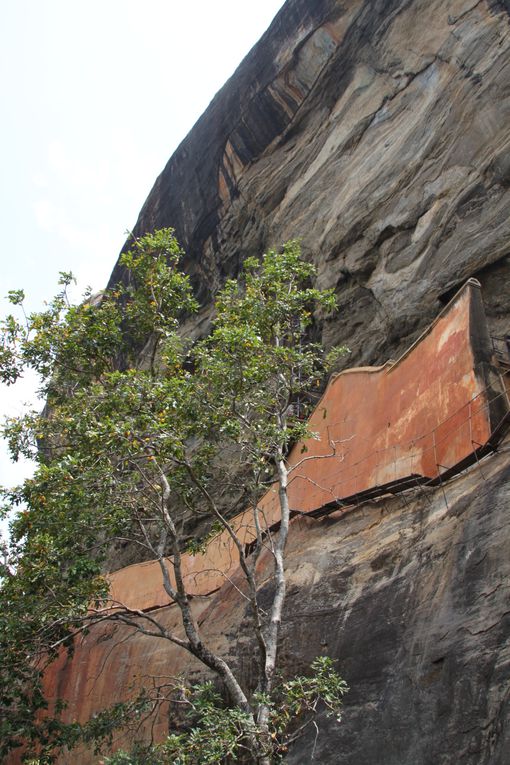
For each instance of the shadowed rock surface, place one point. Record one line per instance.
(378, 133)
(413, 599)
(410, 595)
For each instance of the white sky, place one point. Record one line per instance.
(96, 95)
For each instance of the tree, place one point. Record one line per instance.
(129, 448)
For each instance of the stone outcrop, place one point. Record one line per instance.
(410, 595)
(413, 599)
(378, 133)
(376, 431)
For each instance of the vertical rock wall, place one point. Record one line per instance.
(377, 131)
(410, 596)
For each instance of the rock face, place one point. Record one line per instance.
(376, 431)
(413, 599)
(378, 133)
(410, 595)
(430, 564)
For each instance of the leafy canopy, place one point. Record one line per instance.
(217, 734)
(130, 448)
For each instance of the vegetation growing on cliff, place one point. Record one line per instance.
(129, 449)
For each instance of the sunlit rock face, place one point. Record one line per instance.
(377, 132)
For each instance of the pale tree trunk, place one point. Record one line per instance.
(261, 742)
(273, 629)
(181, 598)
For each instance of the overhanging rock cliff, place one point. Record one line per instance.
(378, 133)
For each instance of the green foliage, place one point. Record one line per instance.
(51, 571)
(77, 344)
(216, 734)
(127, 450)
(301, 696)
(258, 354)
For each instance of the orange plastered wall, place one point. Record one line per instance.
(417, 417)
